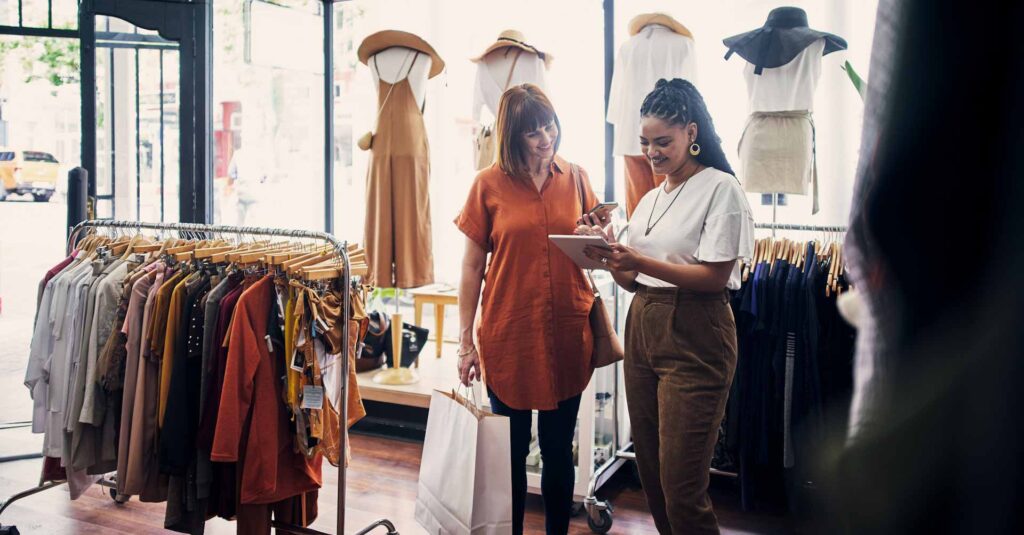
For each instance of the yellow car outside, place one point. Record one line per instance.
(28, 172)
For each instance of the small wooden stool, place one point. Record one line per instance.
(439, 299)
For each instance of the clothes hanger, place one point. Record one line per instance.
(355, 255)
(298, 251)
(257, 249)
(745, 271)
(259, 255)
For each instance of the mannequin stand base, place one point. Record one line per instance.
(396, 376)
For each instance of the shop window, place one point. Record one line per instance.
(268, 93)
(55, 14)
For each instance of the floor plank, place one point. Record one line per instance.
(381, 484)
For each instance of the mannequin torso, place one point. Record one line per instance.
(493, 71)
(393, 64)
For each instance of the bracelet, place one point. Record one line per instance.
(472, 349)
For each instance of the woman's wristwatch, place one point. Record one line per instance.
(469, 351)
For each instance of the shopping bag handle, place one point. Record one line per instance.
(471, 398)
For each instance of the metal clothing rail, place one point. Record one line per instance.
(808, 228)
(341, 248)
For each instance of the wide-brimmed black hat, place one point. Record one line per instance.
(784, 35)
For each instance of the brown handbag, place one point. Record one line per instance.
(607, 347)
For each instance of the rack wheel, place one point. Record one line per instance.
(118, 499)
(603, 525)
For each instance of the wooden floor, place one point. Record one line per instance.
(381, 484)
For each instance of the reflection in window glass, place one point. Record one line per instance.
(268, 114)
(575, 82)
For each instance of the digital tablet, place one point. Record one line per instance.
(572, 245)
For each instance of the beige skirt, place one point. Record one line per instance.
(777, 154)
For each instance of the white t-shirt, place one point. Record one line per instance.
(789, 87)
(709, 222)
(492, 72)
(654, 53)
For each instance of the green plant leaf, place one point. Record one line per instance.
(858, 83)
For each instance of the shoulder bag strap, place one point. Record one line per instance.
(391, 87)
(519, 52)
(575, 171)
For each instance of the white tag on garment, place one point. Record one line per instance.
(270, 345)
(312, 397)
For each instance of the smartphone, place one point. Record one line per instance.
(604, 206)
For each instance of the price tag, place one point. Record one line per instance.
(312, 397)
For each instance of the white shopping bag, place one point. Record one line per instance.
(465, 484)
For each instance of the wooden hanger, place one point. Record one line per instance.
(119, 246)
(187, 247)
(356, 256)
(287, 264)
(262, 248)
(146, 247)
(207, 252)
(334, 272)
(228, 256)
(259, 255)
(292, 266)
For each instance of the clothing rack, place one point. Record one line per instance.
(808, 228)
(341, 248)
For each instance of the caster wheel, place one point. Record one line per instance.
(604, 523)
(577, 508)
(118, 499)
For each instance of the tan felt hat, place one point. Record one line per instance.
(645, 19)
(514, 38)
(391, 38)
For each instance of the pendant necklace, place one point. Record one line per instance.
(656, 195)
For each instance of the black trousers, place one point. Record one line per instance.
(555, 430)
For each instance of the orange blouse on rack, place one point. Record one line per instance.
(534, 336)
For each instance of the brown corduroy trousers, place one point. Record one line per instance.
(680, 360)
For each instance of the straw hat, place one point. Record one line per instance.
(645, 19)
(514, 38)
(391, 38)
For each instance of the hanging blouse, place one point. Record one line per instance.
(654, 53)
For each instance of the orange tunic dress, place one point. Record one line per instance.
(534, 336)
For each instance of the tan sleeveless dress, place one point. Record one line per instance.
(398, 231)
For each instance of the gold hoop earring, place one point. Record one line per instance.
(694, 149)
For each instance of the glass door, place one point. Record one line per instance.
(137, 122)
(146, 109)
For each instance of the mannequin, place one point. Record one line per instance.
(398, 232)
(492, 72)
(390, 64)
(658, 47)
(507, 62)
(777, 149)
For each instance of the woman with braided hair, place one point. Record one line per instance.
(685, 239)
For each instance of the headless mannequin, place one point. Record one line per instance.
(495, 66)
(394, 62)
